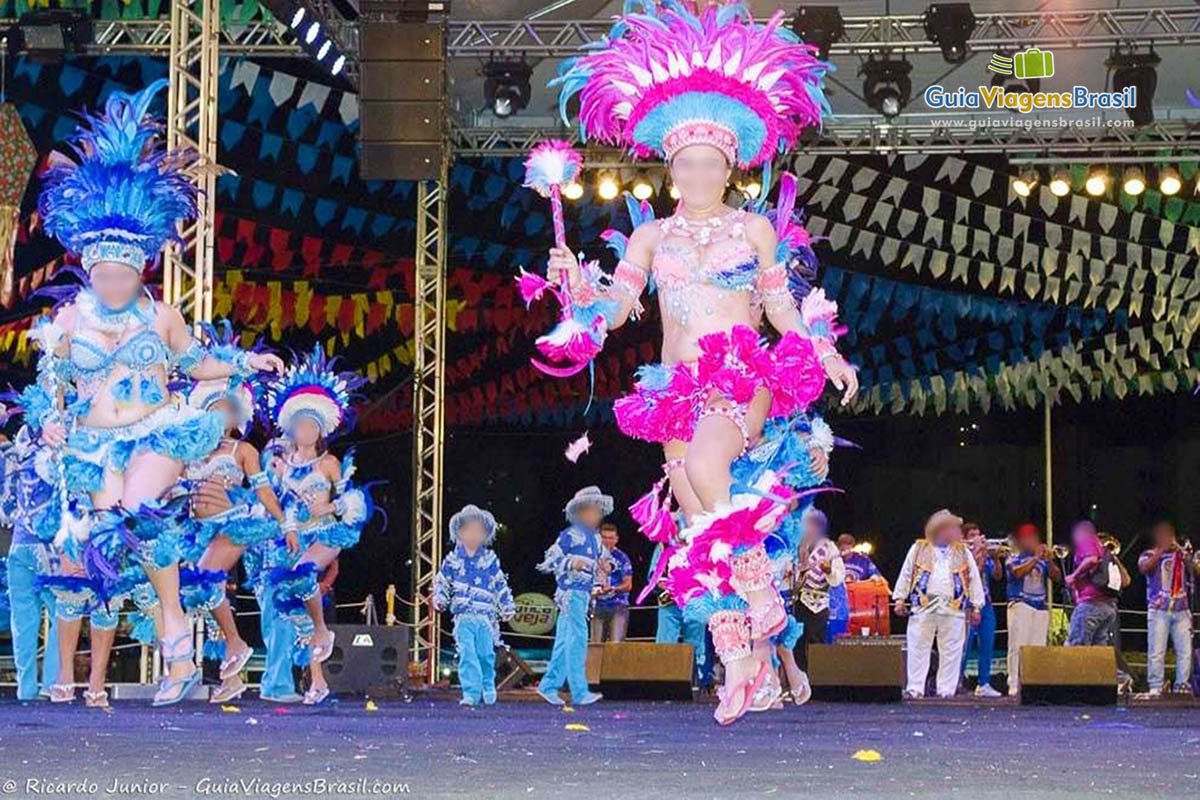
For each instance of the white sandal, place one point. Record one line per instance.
(96, 699)
(62, 693)
(315, 697)
(234, 664)
(228, 693)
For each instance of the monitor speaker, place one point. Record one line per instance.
(859, 670)
(645, 671)
(367, 658)
(1068, 675)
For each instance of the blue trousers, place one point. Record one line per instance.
(982, 637)
(1163, 625)
(278, 636)
(568, 659)
(26, 604)
(672, 628)
(477, 658)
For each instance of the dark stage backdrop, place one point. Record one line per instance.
(1120, 463)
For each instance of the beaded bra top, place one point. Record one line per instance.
(92, 361)
(713, 253)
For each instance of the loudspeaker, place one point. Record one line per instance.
(367, 658)
(1068, 675)
(402, 88)
(644, 670)
(861, 670)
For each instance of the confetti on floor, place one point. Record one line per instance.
(867, 755)
(576, 726)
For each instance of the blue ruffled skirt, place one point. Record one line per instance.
(175, 430)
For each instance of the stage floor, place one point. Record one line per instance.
(435, 749)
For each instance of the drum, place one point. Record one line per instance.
(869, 608)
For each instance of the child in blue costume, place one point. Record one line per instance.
(575, 560)
(309, 404)
(119, 436)
(233, 507)
(472, 586)
(21, 490)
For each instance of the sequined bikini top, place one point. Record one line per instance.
(222, 465)
(710, 253)
(302, 478)
(141, 351)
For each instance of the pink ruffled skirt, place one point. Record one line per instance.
(667, 401)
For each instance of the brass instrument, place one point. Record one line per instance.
(1061, 551)
(1001, 548)
(863, 548)
(664, 599)
(1111, 543)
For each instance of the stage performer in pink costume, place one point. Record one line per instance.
(708, 90)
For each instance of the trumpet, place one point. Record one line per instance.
(1001, 548)
(863, 548)
(1111, 543)
(1061, 551)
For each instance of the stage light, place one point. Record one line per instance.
(1060, 184)
(887, 86)
(339, 64)
(674, 190)
(820, 26)
(642, 188)
(949, 26)
(1134, 181)
(297, 18)
(573, 190)
(608, 188)
(1169, 182)
(751, 188)
(1097, 181)
(314, 30)
(1023, 184)
(323, 50)
(1015, 85)
(1139, 71)
(506, 86)
(49, 33)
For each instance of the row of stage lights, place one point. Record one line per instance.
(310, 33)
(1098, 180)
(608, 186)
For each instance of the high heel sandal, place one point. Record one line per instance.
(177, 688)
(62, 693)
(234, 664)
(321, 653)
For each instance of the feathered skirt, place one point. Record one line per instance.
(668, 401)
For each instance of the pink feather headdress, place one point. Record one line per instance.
(670, 75)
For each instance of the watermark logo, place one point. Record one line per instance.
(1033, 63)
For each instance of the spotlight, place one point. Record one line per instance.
(339, 64)
(820, 26)
(642, 188)
(1097, 181)
(949, 26)
(573, 190)
(1169, 182)
(1015, 85)
(314, 30)
(674, 190)
(1136, 70)
(751, 188)
(608, 188)
(1023, 184)
(1134, 181)
(323, 50)
(887, 86)
(50, 33)
(297, 18)
(1060, 184)
(506, 86)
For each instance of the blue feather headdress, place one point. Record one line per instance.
(122, 196)
(314, 387)
(244, 393)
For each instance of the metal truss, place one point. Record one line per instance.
(429, 391)
(1172, 25)
(192, 124)
(541, 38)
(867, 136)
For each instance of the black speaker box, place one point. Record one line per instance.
(1068, 676)
(863, 670)
(367, 658)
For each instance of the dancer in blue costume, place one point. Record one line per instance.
(310, 403)
(232, 507)
(120, 436)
